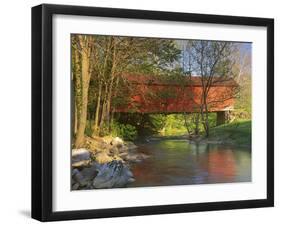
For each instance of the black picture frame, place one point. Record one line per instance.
(42, 108)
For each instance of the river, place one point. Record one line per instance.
(178, 162)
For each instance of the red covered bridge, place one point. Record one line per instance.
(152, 94)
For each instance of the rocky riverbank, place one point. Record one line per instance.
(104, 163)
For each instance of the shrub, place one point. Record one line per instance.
(125, 131)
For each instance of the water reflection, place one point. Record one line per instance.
(177, 162)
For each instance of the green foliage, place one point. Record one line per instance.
(174, 125)
(158, 121)
(125, 131)
(190, 122)
(149, 124)
(166, 125)
(153, 56)
(88, 129)
(243, 105)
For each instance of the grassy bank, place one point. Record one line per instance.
(237, 133)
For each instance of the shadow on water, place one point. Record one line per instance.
(178, 162)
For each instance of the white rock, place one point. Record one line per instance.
(80, 157)
(118, 142)
(81, 152)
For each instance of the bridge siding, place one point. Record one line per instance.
(157, 98)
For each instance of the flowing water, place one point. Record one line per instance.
(178, 162)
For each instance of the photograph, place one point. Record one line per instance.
(139, 112)
(156, 111)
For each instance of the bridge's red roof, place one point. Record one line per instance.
(189, 80)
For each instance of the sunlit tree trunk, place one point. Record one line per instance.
(196, 123)
(75, 118)
(103, 111)
(111, 85)
(102, 80)
(85, 76)
(95, 126)
(76, 78)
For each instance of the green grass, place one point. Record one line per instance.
(174, 131)
(238, 133)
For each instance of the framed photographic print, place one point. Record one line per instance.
(147, 112)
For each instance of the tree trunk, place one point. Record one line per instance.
(207, 124)
(76, 84)
(75, 118)
(196, 123)
(103, 112)
(95, 127)
(98, 121)
(186, 123)
(85, 86)
(207, 128)
(204, 113)
(73, 110)
(108, 103)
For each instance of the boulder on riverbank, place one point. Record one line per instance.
(104, 163)
(82, 179)
(114, 174)
(80, 157)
